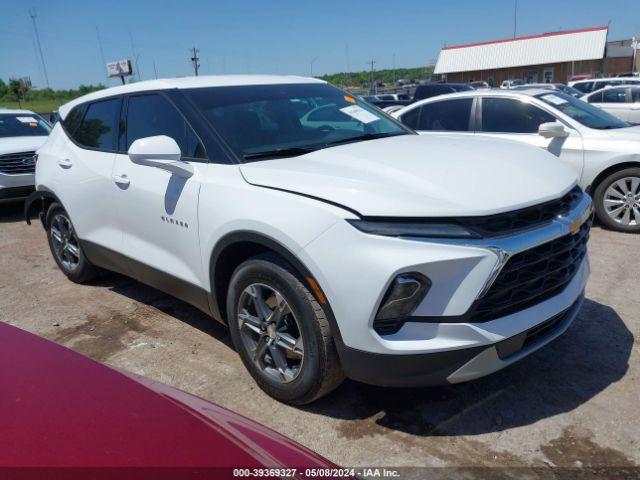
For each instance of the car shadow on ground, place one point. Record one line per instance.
(11, 211)
(165, 303)
(591, 355)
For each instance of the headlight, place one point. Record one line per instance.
(414, 229)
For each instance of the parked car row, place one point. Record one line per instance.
(331, 239)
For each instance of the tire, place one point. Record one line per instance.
(74, 265)
(318, 368)
(617, 185)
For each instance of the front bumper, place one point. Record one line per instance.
(454, 366)
(16, 186)
(355, 270)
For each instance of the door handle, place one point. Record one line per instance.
(66, 163)
(121, 179)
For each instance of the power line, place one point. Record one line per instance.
(104, 63)
(32, 14)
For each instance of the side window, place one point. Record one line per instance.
(584, 87)
(595, 98)
(615, 95)
(635, 95)
(410, 119)
(98, 128)
(150, 115)
(506, 115)
(73, 119)
(451, 115)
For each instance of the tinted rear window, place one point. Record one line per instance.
(98, 128)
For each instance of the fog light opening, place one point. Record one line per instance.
(403, 296)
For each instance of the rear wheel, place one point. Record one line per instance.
(617, 200)
(65, 246)
(281, 332)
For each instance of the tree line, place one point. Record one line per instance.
(17, 91)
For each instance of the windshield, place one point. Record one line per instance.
(263, 121)
(22, 125)
(582, 112)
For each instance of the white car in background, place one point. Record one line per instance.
(622, 102)
(604, 150)
(367, 251)
(589, 85)
(22, 132)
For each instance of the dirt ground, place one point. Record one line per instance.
(574, 403)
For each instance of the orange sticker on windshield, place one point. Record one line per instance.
(350, 99)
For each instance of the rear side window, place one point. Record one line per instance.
(584, 87)
(635, 95)
(73, 119)
(99, 125)
(150, 115)
(410, 119)
(507, 115)
(452, 115)
(615, 95)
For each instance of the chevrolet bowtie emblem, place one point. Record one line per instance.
(574, 227)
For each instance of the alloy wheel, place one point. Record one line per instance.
(622, 201)
(270, 332)
(65, 243)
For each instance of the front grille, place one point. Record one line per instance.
(533, 276)
(17, 163)
(510, 222)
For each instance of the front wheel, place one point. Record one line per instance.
(281, 332)
(617, 200)
(65, 246)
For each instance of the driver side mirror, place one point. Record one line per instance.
(161, 152)
(552, 130)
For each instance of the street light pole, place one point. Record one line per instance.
(311, 66)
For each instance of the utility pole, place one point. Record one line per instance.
(195, 60)
(104, 63)
(515, 18)
(133, 50)
(311, 66)
(394, 69)
(155, 69)
(348, 79)
(371, 86)
(32, 14)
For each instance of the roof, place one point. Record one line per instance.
(546, 48)
(188, 82)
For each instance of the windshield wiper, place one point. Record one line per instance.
(279, 152)
(366, 136)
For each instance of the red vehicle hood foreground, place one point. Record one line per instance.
(59, 409)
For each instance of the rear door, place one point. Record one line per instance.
(84, 168)
(158, 210)
(519, 119)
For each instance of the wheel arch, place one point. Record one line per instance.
(608, 171)
(236, 247)
(38, 203)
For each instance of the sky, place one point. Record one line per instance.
(300, 37)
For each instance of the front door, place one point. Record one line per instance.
(158, 210)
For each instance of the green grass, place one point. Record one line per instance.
(38, 106)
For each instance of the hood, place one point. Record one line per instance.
(100, 417)
(21, 144)
(421, 176)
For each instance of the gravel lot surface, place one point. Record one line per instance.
(574, 403)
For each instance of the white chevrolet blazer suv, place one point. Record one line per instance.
(333, 241)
